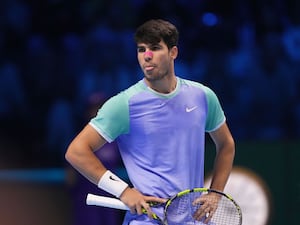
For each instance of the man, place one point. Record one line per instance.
(159, 124)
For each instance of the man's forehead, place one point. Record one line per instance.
(142, 44)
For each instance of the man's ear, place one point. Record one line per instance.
(174, 52)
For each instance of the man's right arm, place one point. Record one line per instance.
(80, 154)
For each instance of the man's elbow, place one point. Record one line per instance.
(70, 155)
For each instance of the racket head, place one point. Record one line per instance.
(180, 209)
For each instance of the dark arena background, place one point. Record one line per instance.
(60, 60)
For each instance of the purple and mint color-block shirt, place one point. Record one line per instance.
(161, 136)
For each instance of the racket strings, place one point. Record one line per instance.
(226, 213)
(181, 210)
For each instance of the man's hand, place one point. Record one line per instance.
(137, 202)
(209, 204)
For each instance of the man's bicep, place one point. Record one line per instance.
(89, 136)
(222, 135)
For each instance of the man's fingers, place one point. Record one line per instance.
(208, 217)
(198, 201)
(133, 210)
(155, 200)
(202, 212)
(147, 209)
(142, 208)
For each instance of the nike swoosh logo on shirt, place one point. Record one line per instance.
(190, 109)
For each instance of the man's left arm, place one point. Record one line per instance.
(225, 151)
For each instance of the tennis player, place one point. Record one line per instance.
(159, 124)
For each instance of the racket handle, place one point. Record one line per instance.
(97, 200)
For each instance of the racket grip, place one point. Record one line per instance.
(97, 200)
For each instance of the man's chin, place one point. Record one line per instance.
(151, 77)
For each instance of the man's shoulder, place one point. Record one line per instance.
(198, 85)
(192, 83)
(134, 89)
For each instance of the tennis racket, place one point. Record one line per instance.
(180, 210)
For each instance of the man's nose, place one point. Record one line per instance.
(148, 55)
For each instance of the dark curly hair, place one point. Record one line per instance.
(155, 30)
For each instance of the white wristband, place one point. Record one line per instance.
(112, 184)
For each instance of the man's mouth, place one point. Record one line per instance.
(149, 68)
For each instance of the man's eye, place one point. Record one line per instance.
(141, 49)
(155, 48)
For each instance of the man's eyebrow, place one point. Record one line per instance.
(141, 46)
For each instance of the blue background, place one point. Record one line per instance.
(57, 58)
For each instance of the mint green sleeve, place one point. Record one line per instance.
(215, 114)
(112, 118)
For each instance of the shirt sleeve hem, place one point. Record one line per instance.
(218, 126)
(102, 133)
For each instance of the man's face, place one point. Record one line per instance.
(156, 60)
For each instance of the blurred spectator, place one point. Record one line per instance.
(60, 129)
(53, 50)
(13, 98)
(291, 41)
(73, 55)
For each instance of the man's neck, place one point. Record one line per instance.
(164, 86)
